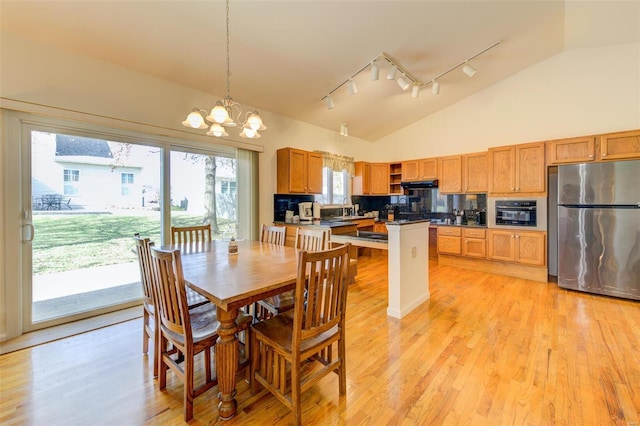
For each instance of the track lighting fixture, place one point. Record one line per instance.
(344, 130)
(391, 75)
(222, 114)
(404, 84)
(468, 69)
(375, 71)
(405, 81)
(435, 87)
(352, 87)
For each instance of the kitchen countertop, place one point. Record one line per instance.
(323, 223)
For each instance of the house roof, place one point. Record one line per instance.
(286, 55)
(69, 146)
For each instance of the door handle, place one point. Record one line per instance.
(31, 233)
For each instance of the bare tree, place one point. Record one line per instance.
(210, 206)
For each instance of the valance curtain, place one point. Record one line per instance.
(337, 162)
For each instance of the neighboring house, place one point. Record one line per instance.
(85, 171)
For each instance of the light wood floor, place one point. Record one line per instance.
(485, 349)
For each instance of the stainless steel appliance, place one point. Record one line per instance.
(599, 228)
(518, 213)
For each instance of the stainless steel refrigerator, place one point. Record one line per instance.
(599, 228)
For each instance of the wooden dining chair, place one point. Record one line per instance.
(150, 331)
(273, 234)
(189, 331)
(190, 234)
(281, 346)
(306, 239)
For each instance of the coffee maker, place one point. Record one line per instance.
(306, 211)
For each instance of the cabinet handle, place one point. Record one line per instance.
(591, 155)
(513, 236)
(604, 154)
(517, 236)
(512, 188)
(517, 189)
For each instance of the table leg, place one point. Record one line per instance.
(227, 362)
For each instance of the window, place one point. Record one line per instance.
(71, 182)
(126, 179)
(335, 187)
(228, 187)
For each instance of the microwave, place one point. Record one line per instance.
(517, 213)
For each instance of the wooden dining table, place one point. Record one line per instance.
(231, 281)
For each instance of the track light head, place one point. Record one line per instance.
(329, 102)
(415, 91)
(468, 69)
(375, 71)
(344, 129)
(352, 87)
(403, 83)
(435, 87)
(391, 75)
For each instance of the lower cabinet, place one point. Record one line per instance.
(474, 243)
(449, 239)
(525, 247)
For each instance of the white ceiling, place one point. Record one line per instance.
(286, 55)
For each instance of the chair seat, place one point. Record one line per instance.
(279, 303)
(204, 323)
(278, 330)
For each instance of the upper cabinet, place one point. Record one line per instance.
(379, 178)
(620, 145)
(518, 170)
(395, 178)
(463, 173)
(450, 181)
(572, 150)
(299, 172)
(423, 169)
(475, 172)
(362, 179)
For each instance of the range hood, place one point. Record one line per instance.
(420, 184)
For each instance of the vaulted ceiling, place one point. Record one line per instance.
(287, 55)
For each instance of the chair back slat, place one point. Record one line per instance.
(170, 291)
(321, 291)
(143, 250)
(273, 234)
(190, 234)
(312, 239)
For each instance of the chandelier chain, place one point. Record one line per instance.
(228, 72)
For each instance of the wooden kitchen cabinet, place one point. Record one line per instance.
(571, 150)
(449, 240)
(475, 172)
(395, 178)
(474, 243)
(379, 182)
(299, 171)
(525, 247)
(620, 146)
(423, 169)
(518, 169)
(380, 227)
(361, 183)
(450, 175)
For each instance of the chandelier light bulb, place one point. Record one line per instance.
(219, 113)
(217, 130)
(254, 121)
(249, 133)
(195, 120)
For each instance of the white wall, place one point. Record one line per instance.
(574, 93)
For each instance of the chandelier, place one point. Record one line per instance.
(223, 112)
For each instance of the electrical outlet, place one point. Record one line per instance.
(413, 252)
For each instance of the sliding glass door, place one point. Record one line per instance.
(89, 195)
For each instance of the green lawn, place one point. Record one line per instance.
(78, 241)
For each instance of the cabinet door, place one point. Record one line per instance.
(530, 248)
(620, 146)
(450, 175)
(314, 173)
(573, 150)
(501, 245)
(379, 178)
(531, 169)
(475, 172)
(428, 168)
(502, 168)
(448, 244)
(410, 171)
(362, 179)
(474, 247)
(292, 171)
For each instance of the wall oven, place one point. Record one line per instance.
(518, 213)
